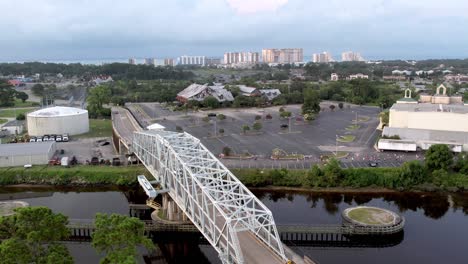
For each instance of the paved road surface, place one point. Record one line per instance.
(121, 120)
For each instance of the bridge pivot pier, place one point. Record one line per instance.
(171, 210)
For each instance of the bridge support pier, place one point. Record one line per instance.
(171, 211)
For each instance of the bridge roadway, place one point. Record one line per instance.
(124, 125)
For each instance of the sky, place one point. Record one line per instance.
(98, 29)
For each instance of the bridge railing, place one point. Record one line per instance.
(217, 203)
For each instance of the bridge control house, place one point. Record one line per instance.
(433, 119)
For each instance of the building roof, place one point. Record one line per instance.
(428, 107)
(155, 126)
(192, 90)
(427, 135)
(246, 90)
(57, 111)
(26, 149)
(270, 93)
(221, 94)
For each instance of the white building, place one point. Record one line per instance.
(149, 61)
(398, 72)
(323, 57)
(351, 56)
(191, 60)
(14, 127)
(434, 119)
(132, 61)
(334, 77)
(282, 56)
(358, 76)
(241, 58)
(270, 94)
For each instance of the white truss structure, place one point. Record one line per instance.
(217, 203)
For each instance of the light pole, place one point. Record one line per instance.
(336, 145)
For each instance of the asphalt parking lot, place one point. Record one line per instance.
(86, 148)
(315, 138)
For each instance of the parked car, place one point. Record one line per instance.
(116, 162)
(94, 161)
(373, 164)
(284, 126)
(212, 115)
(39, 139)
(105, 143)
(58, 138)
(65, 137)
(73, 161)
(64, 161)
(33, 139)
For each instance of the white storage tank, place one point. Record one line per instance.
(58, 120)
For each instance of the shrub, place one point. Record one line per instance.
(439, 156)
(179, 129)
(245, 128)
(227, 151)
(20, 117)
(281, 109)
(221, 117)
(332, 107)
(340, 105)
(258, 117)
(257, 126)
(268, 116)
(285, 114)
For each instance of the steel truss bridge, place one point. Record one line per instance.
(235, 222)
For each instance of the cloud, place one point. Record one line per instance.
(255, 6)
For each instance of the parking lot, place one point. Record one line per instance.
(314, 138)
(86, 148)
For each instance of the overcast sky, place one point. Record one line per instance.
(98, 29)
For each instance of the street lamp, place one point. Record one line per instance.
(336, 145)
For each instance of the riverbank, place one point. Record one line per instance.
(74, 176)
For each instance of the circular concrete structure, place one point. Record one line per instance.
(58, 120)
(8, 208)
(370, 216)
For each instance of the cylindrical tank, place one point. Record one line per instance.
(58, 120)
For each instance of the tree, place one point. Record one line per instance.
(97, 97)
(332, 107)
(332, 172)
(118, 236)
(438, 156)
(38, 89)
(245, 128)
(268, 117)
(211, 102)
(7, 94)
(384, 117)
(179, 129)
(22, 96)
(20, 116)
(257, 126)
(227, 151)
(411, 173)
(281, 109)
(221, 131)
(340, 105)
(311, 101)
(285, 114)
(221, 117)
(32, 235)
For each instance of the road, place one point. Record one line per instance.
(124, 124)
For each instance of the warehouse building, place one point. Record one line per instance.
(38, 153)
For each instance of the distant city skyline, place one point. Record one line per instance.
(71, 30)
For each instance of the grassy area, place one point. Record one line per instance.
(362, 119)
(20, 103)
(370, 216)
(13, 112)
(3, 121)
(346, 138)
(353, 127)
(98, 128)
(78, 175)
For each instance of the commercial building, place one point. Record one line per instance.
(334, 77)
(456, 78)
(212, 61)
(192, 60)
(199, 92)
(58, 120)
(434, 119)
(241, 57)
(132, 61)
(324, 57)
(351, 56)
(20, 154)
(282, 55)
(169, 62)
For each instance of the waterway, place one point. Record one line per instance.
(436, 228)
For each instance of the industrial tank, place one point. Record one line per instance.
(58, 120)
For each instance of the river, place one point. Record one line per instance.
(436, 228)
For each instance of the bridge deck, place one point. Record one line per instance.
(255, 251)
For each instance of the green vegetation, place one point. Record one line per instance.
(118, 236)
(370, 216)
(14, 112)
(340, 154)
(32, 235)
(21, 104)
(346, 138)
(98, 128)
(3, 121)
(78, 175)
(97, 97)
(353, 127)
(385, 117)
